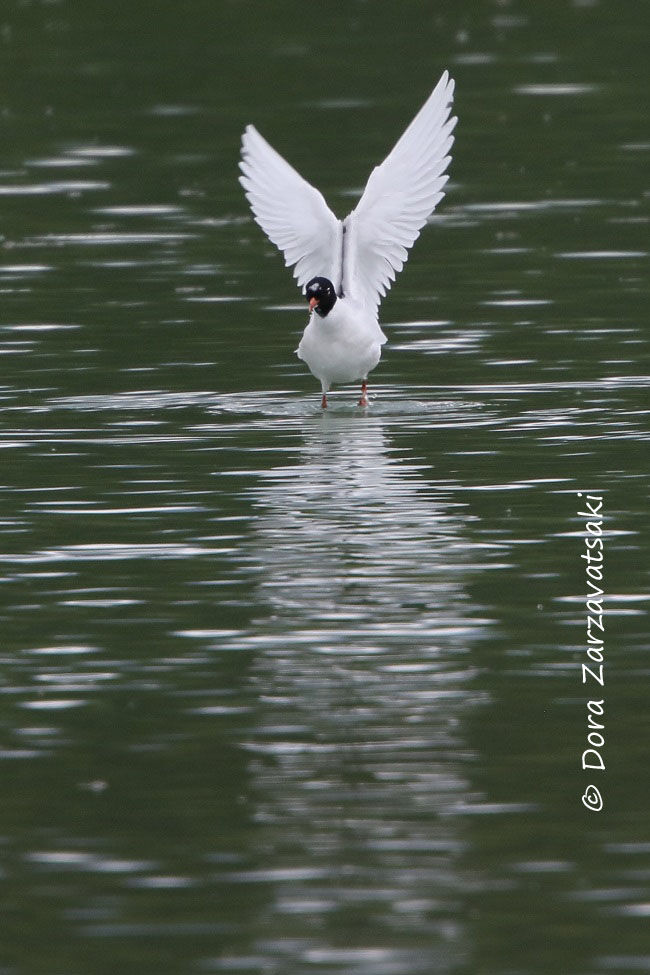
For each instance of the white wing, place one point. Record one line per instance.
(292, 214)
(398, 198)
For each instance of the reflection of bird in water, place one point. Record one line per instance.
(346, 266)
(352, 524)
(361, 665)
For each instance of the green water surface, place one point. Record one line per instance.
(285, 691)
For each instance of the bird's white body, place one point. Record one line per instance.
(343, 346)
(356, 258)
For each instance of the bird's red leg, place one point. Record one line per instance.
(324, 401)
(364, 394)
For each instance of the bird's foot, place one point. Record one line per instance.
(364, 394)
(323, 402)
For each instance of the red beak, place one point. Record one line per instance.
(312, 303)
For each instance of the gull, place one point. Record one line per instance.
(345, 267)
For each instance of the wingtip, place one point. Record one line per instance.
(446, 84)
(249, 133)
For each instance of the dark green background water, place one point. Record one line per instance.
(285, 691)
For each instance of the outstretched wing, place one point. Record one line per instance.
(399, 196)
(292, 214)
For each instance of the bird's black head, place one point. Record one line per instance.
(321, 295)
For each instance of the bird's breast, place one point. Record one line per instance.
(344, 345)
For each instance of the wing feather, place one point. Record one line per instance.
(291, 212)
(400, 195)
